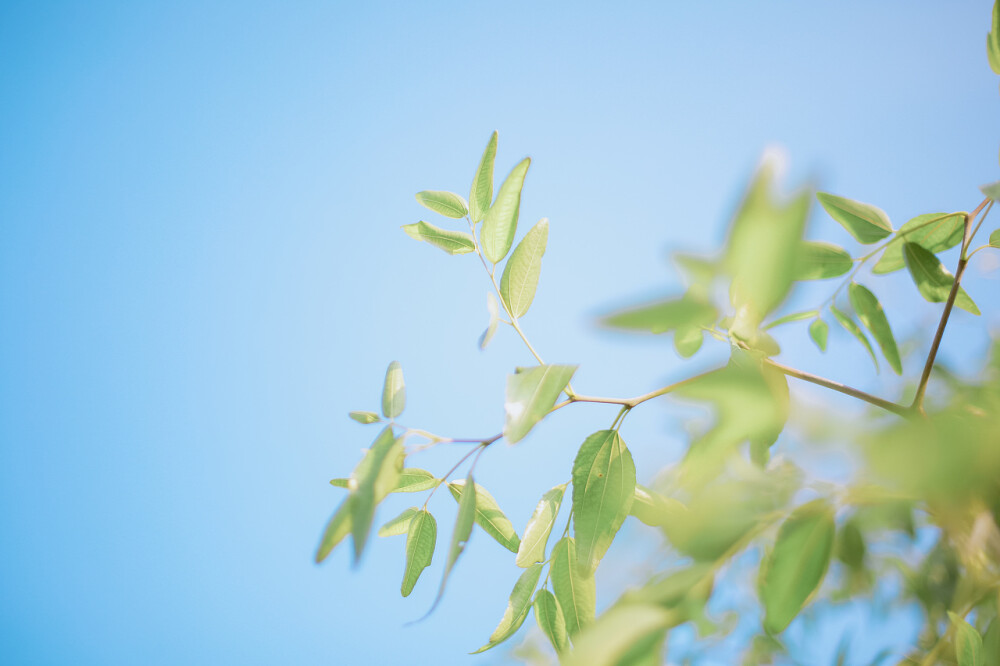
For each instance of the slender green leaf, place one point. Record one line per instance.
(460, 536)
(935, 232)
(992, 190)
(421, 539)
(520, 275)
(340, 483)
(373, 478)
(575, 589)
(654, 509)
(819, 261)
(365, 417)
(452, 242)
(995, 236)
(993, 39)
(550, 620)
(663, 316)
(489, 516)
(870, 313)
(852, 327)
(448, 204)
(968, 643)
(795, 316)
(687, 341)
(400, 524)
(865, 222)
(673, 589)
(481, 193)
(414, 479)
(603, 490)
(336, 529)
(530, 394)
(500, 222)
(494, 309)
(536, 533)
(517, 607)
(796, 566)
(818, 331)
(609, 640)
(393, 391)
(932, 279)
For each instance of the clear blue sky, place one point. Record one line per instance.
(201, 272)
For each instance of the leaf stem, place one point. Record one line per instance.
(454, 467)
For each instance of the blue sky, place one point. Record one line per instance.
(201, 272)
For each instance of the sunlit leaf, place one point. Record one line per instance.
(993, 40)
(420, 541)
(481, 192)
(663, 316)
(336, 529)
(393, 391)
(796, 566)
(340, 483)
(414, 479)
(365, 417)
(852, 327)
(935, 232)
(819, 261)
(494, 309)
(603, 489)
(607, 641)
(795, 316)
(870, 312)
(968, 643)
(673, 589)
(536, 533)
(500, 222)
(520, 275)
(464, 521)
(687, 341)
(995, 236)
(452, 242)
(489, 516)
(373, 478)
(400, 524)
(818, 331)
(517, 607)
(448, 204)
(550, 620)
(653, 508)
(867, 223)
(530, 394)
(932, 279)
(574, 589)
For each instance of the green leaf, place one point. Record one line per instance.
(550, 620)
(517, 607)
(935, 232)
(932, 279)
(460, 536)
(489, 516)
(603, 489)
(340, 483)
(536, 533)
(652, 508)
(376, 474)
(865, 222)
(991, 643)
(687, 341)
(393, 391)
(520, 275)
(968, 643)
(992, 190)
(795, 316)
(494, 309)
(575, 590)
(530, 394)
(993, 40)
(616, 632)
(365, 417)
(995, 236)
(336, 529)
(870, 313)
(500, 223)
(448, 204)
(851, 545)
(400, 524)
(421, 539)
(818, 331)
(414, 479)
(452, 242)
(663, 316)
(796, 566)
(851, 327)
(481, 193)
(819, 261)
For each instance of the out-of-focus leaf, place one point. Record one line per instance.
(393, 391)
(452, 242)
(991, 643)
(795, 316)
(818, 331)
(851, 545)
(520, 275)
(531, 393)
(500, 222)
(935, 232)
(481, 192)
(992, 190)
(550, 620)
(494, 309)
(663, 316)
(489, 516)
(995, 236)
(575, 589)
(653, 508)
(603, 488)
(993, 40)
(867, 223)
(932, 279)
(968, 643)
(365, 417)
(607, 641)
(852, 327)
(420, 541)
(796, 566)
(413, 480)
(448, 204)
(460, 536)
(517, 607)
(536, 534)
(687, 341)
(400, 524)
(336, 529)
(673, 589)
(373, 478)
(819, 261)
(340, 483)
(873, 317)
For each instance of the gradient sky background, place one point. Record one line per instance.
(201, 272)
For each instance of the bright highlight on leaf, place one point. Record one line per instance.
(393, 391)
(867, 223)
(481, 193)
(500, 223)
(489, 516)
(452, 242)
(448, 204)
(520, 275)
(536, 534)
(870, 313)
(935, 232)
(531, 393)
(932, 279)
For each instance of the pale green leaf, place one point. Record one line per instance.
(663, 316)
(967, 641)
(452, 242)
(550, 620)
(654, 509)
(489, 516)
(530, 394)
(687, 341)
(933, 280)
(393, 391)
(520, 275)
(464, 521)
(413, 480)
(614, 635)
(935, 232)
(993, 39)
(574, 589)
(991, 643)
(340, 483)
(992, 190)
(995, 236)
(517, 607)
(673, 589)
(819, 331)
(494, 309)
(603, 490)
(373, 478)
(448, 204)
(870, 312)
(536, 533)
(500, 222)
(400, 524)
(336, 529)
(852, 327)
(865, 222)
(365, 417)
(795, 316)
(819, 261)
(481, 193)
(796, 566)
(421, 539)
